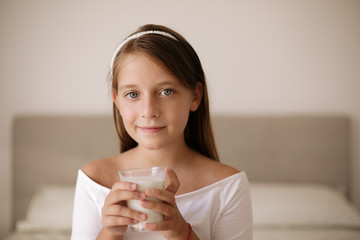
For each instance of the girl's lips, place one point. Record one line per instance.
(151, 129)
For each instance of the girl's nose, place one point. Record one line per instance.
(150, 108)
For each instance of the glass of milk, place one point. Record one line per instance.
(145, 178)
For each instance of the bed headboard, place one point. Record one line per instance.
(296, 148)
(50, 149)
(302, 148)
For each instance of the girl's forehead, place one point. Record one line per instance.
(138, 62)
(134, 58)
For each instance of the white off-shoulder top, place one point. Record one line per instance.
(220, 211)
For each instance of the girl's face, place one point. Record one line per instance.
(153, 103)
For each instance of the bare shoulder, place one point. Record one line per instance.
(102, 171)
(221, 171)
(212, 172)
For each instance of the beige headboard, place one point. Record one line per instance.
(297, 148)
(304, 148)
(50, 149)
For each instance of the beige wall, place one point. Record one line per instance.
(260, 57)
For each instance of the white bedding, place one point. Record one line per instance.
(49, 215)
(302, 211)
(282, 211)
(306, 234)
(38, 236)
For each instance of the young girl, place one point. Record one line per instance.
(161, 113)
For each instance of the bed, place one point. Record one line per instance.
(298, 167)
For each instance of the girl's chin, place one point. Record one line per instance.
(152, 146)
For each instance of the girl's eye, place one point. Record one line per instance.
(132, 94)
(167, 92)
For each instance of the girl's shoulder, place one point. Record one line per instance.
(102, 171)
(218, 171)
(205, 172)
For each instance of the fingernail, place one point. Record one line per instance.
(144, 203)
(133, 186)
(142, 216)
(142, 195)
(134, 221)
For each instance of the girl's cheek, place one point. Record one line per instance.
(125, 109)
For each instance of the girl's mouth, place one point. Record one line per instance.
(151, 129)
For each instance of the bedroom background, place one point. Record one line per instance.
(260, 57)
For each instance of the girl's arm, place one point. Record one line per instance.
(104, 235)
(235, 222)
(86, 222)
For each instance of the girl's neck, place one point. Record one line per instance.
(172, 156)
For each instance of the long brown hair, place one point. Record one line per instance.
(181, 59)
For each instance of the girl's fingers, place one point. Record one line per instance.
(113, 221)
(173, 181)
(163, 208)
(124, 186)
(162, 195)
(117, 210)
(120, 195)
(163, 226)
(122, 191)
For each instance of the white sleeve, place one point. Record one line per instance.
(235, 221)
(86, 223)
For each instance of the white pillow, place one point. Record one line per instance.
(50, 210)
(287, 204)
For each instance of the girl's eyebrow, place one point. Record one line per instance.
(126, 86)
(167, 83)
(131, 85)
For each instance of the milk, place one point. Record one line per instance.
(144, 183)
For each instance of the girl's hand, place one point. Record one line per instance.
(116, 216)
(174, 225)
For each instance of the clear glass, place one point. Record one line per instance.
(145, 178)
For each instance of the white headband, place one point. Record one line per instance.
(136, 35)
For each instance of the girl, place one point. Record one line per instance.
(161, 114)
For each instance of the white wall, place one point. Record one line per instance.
(260, 57)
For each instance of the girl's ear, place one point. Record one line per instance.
(115, 99)
(198, 92)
